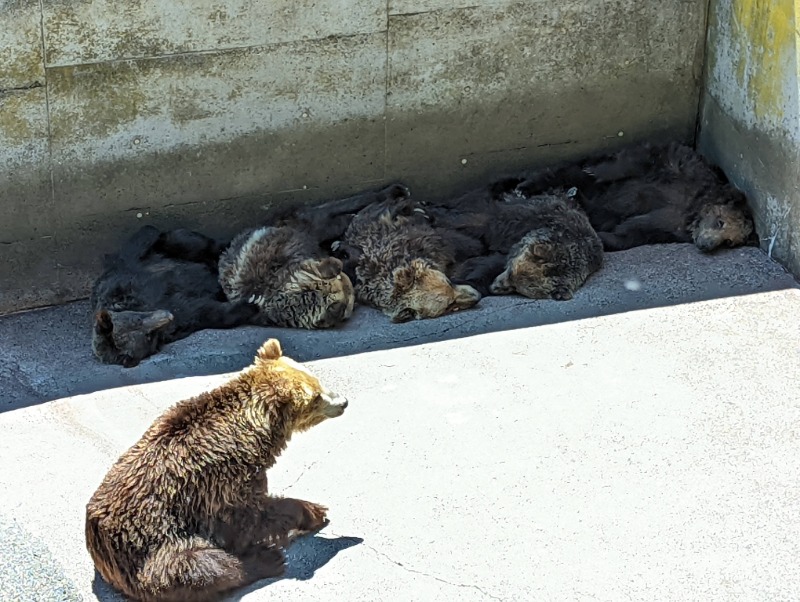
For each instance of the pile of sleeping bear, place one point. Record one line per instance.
(540, 234)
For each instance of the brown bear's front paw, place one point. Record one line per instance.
(561, 294)
(314, 518)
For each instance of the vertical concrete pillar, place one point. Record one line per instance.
(750, 119)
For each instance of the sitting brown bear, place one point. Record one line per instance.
(400, 263)
(184, 515)
(648, 194)
(541, 247)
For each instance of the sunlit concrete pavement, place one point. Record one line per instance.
(639, 442)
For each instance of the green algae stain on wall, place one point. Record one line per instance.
(765, 35)
(15, 128)
(94, 101)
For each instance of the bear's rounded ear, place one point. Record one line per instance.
(269, 351)
(329, 267)
(103, 324)
(540, 251)
(403, 279)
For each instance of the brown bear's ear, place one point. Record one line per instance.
(329, 268)
(103, 324)
(540, 251)
(156, 319)
(502, 285)
(404, 279)
(269, 351)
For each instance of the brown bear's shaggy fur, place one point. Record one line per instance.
(647, 194)
(283, 271)
(554, 259)
(400, 263)
(327, 222)
(184, 515)
(540, 247)
(285, 268)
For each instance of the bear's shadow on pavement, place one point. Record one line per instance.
(304, 558)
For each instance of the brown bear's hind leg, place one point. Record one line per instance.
(193, 570)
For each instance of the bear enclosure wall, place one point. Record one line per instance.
(750, 121)
(200, 113)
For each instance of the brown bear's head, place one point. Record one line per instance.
(317, 294)
(727, 224)
(540, 267)
(127, 337)
(421, 291)
(309, 401)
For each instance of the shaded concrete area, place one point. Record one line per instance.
(627, 445)
(47, 353)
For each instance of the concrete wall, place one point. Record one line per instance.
(201, 113)
(751, 113)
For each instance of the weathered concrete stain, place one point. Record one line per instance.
(193, 101)
(751, 113)
(25, 189)
(15, 126)
(100, 30)
(765, 35)
(118, 100)
(21, 61)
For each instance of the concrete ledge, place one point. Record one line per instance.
(603, 454)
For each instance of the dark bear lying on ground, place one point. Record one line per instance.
(400, 263)
(648, 194)
(159, 287)
(540, 246)
(285, 269)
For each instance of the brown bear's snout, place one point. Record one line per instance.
(335, 405)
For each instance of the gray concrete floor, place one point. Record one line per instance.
(639, 442)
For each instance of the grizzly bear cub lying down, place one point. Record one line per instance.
(284, 269)
(158, 288)
(542, 247)
(184, 515)
(648, 194)
(400, 263)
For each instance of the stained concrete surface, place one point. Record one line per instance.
(638, 442)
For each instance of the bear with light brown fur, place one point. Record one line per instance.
(184, 515)
(401, 264)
